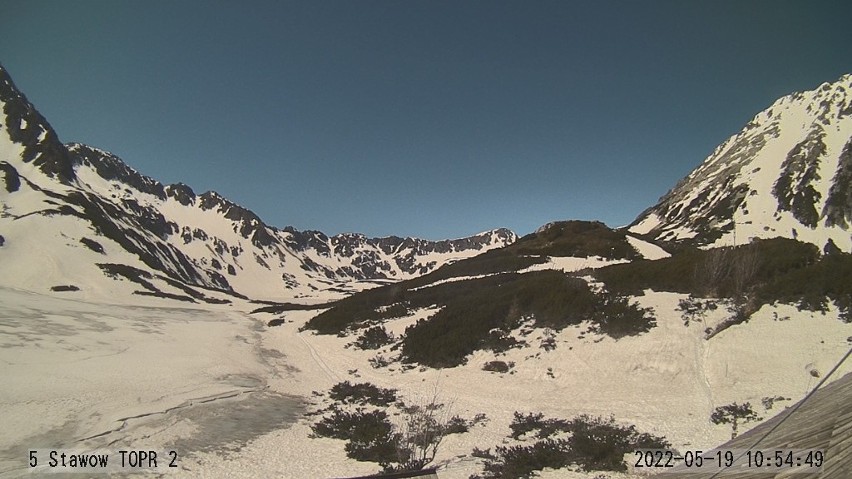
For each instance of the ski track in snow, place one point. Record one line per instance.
(318, 359)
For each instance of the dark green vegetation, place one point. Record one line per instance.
(762, 272)
(362, 393)
(590, 443)
(811, 287)
(576, 238)
(480, 313)
(373, 338)
(407, 440)
(564, 238)
(482, 317)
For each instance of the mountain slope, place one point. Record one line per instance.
(64, 209)
(787, 173)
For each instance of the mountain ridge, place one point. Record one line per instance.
(199, 239)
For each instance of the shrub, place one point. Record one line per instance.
(369, 434)
(409, 444)
(500, 341)
(522, 425)
(379, 361)
(482, 454)
(362, 393)
(422, 429)
(362, 425)
(457, 425)
(600, 444)
(812, 286)
(694, 309)
(498, 366)
(617, 317)
(522, 461)
(769, 401)
(276, 322)
(396, 310)
(374, 338)
(548, 342)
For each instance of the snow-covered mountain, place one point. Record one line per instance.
(787, 173)
(71, 214)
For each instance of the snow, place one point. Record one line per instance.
(786, 123)
(666, 382)
(569, 264)
(73, 369)
(647, 224)
(646, 249)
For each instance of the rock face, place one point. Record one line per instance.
(787, 173)
(91, 196)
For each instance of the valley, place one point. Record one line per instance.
(145, 316)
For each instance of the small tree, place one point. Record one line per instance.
(715, 268)
(419, 434)
(732, 414)
(694, 309)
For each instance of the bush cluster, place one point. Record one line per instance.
(522, 425)
(362, 393)
(521, 461)
(488, 309)
(710, 273)
(591, 443)
(369, 434)
(812, 286)
(616, 317)
(470, 317)
(373, 338)
(359, 415)
(762, 272)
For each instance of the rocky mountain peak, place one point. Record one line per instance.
(786, 173)
(25, 125)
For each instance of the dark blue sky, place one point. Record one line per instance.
(432, 119)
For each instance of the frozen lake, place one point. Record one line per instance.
(85, 376)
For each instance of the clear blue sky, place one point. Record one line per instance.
(435, 119)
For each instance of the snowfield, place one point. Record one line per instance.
(228, 393)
